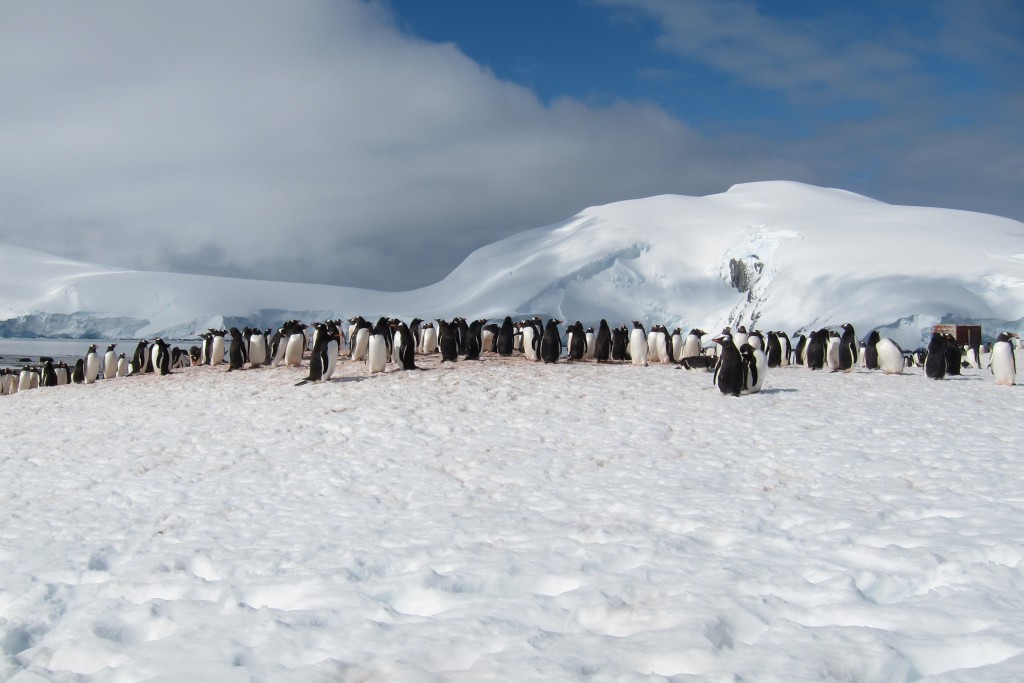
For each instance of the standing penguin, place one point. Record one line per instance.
(448, 341)
(49, 375)
(236, 355)
(110, 363)
(122, 366)
(161, 357)
(319, 356)
(295, 344)
(774, 350)
(832, 351)
(475, 340)
(206, 355)
(92, 365)
(429, 338)
(799, 356)
(505, 337)
(257, 348)
(1002, 362)
(754, 364)
(815, 350)
(620, 341)
(377, 350)
(954, 356)
(847, 348)
(638, 344)
(871, 350)
(551, 342)
(691, 345)
(935, 360)
(787, 347)
(78, 374)
(591, 337)
(577, 347)
(603, 342)
(407, 354)
(890, 356)
(729, 374)
(217, 347)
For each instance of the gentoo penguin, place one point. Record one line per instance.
(414, 330)
(489, 337)
(740, 337)
(48, 374)
(871, 350)
(620, 341)
(206, 354)
(236, 356)
(889, 356)
(407, 354)
(377, 351)
(475, 340)
(295, 344)
(428, 334)
(333, 348)
(92, 365)
(603, 342)
(122, 365)
(551, 342)
(691, 345)
(25, 379)
(847, 348)
(140, 359)
(257, 348)
(319, 356)
(729, 368)
(787, 347)
(832, 351)
(935, 361)
(63, 374)
(576, 349)
(800, 350)
(756, 340)
(662, 346)
(1002, 362)
(531, 332)
(590, 337)
(505, 334)
(954, 356)
(217, 347)
(448, 340)
(110, 363)
(638, 344)
(161, 357)
(78, 374)
(815, 350)
(773, 350)
(754, 367)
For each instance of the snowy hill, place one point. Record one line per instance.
(780, 255)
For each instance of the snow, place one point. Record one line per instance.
(816, 257)
(506, 520)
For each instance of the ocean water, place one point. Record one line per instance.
(16, 352)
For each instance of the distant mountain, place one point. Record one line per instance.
(775, 255)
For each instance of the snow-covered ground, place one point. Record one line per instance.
(510, 521)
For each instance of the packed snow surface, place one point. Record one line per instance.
(508, 521)
(775, 255)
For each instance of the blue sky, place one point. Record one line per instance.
(375, 143)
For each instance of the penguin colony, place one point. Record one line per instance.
(738, 360)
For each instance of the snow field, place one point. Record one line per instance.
(505, 520)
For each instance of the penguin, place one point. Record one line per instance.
(319, 356)
(638, 345)
(756, 340)
(832, 350)
(954, 356)
(217, 347)
(620, 337)
(92, 365)
(505, 340)
(48, 374)
(658, 348)
(740, 337)
(78, 374)
(692, 343)
(935, 361)
(871, 350)
(489, 337)
(257, 350)
(603, 342)
(889, 355)
(754, 364)
(815, 350)
(475, 340)
(577, 346)
(787, 348)
(179, 358)
(122, 365)
(1002, 362)
(551, 342)
(407, 355)
(448, 341)
(63, 374)
(236, 355)
(278, 343)
(848, 348)
(377, 348)
(590, 337)
(729, 376)
(162, 357)
(531, 332)
(414, 330)
(429, 338)
(110, 363)
(360, 341)
(295, 344)
(25, 379)
(800, 350)
(773, 350)
(206, 355)
(706, 363)
(333, 347)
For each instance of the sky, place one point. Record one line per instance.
(375, 143)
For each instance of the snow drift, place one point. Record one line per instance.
(778, 255)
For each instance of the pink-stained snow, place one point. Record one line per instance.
(513, 521)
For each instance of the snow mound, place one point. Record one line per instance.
(777, 255)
